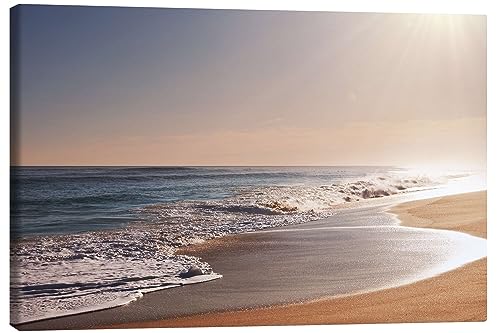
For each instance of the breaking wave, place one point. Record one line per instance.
(57, 275)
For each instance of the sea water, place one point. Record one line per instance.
(88, 238)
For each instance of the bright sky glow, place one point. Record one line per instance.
(118, 86)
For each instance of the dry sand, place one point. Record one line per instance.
(462, 212)
(459, 295)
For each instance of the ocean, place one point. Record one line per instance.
(88, 238)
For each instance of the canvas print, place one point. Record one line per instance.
(205, 167)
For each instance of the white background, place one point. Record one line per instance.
(488, 8)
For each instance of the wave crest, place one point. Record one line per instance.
(52, 268)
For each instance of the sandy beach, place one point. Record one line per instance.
(288, 267)
(458, 295)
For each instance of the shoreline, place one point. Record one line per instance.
(154, 310)
(456, 295)
(406, 305)
(420, 213)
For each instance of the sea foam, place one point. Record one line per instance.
(59, 275)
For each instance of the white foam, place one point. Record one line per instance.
(96, 270)
(33, 309)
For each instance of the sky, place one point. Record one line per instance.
(131, 86)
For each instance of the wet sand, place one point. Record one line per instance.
(280, 269)
(459, 295)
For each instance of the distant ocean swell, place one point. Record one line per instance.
(55, 275)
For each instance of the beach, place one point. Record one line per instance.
(291, 270)
(458, 295)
